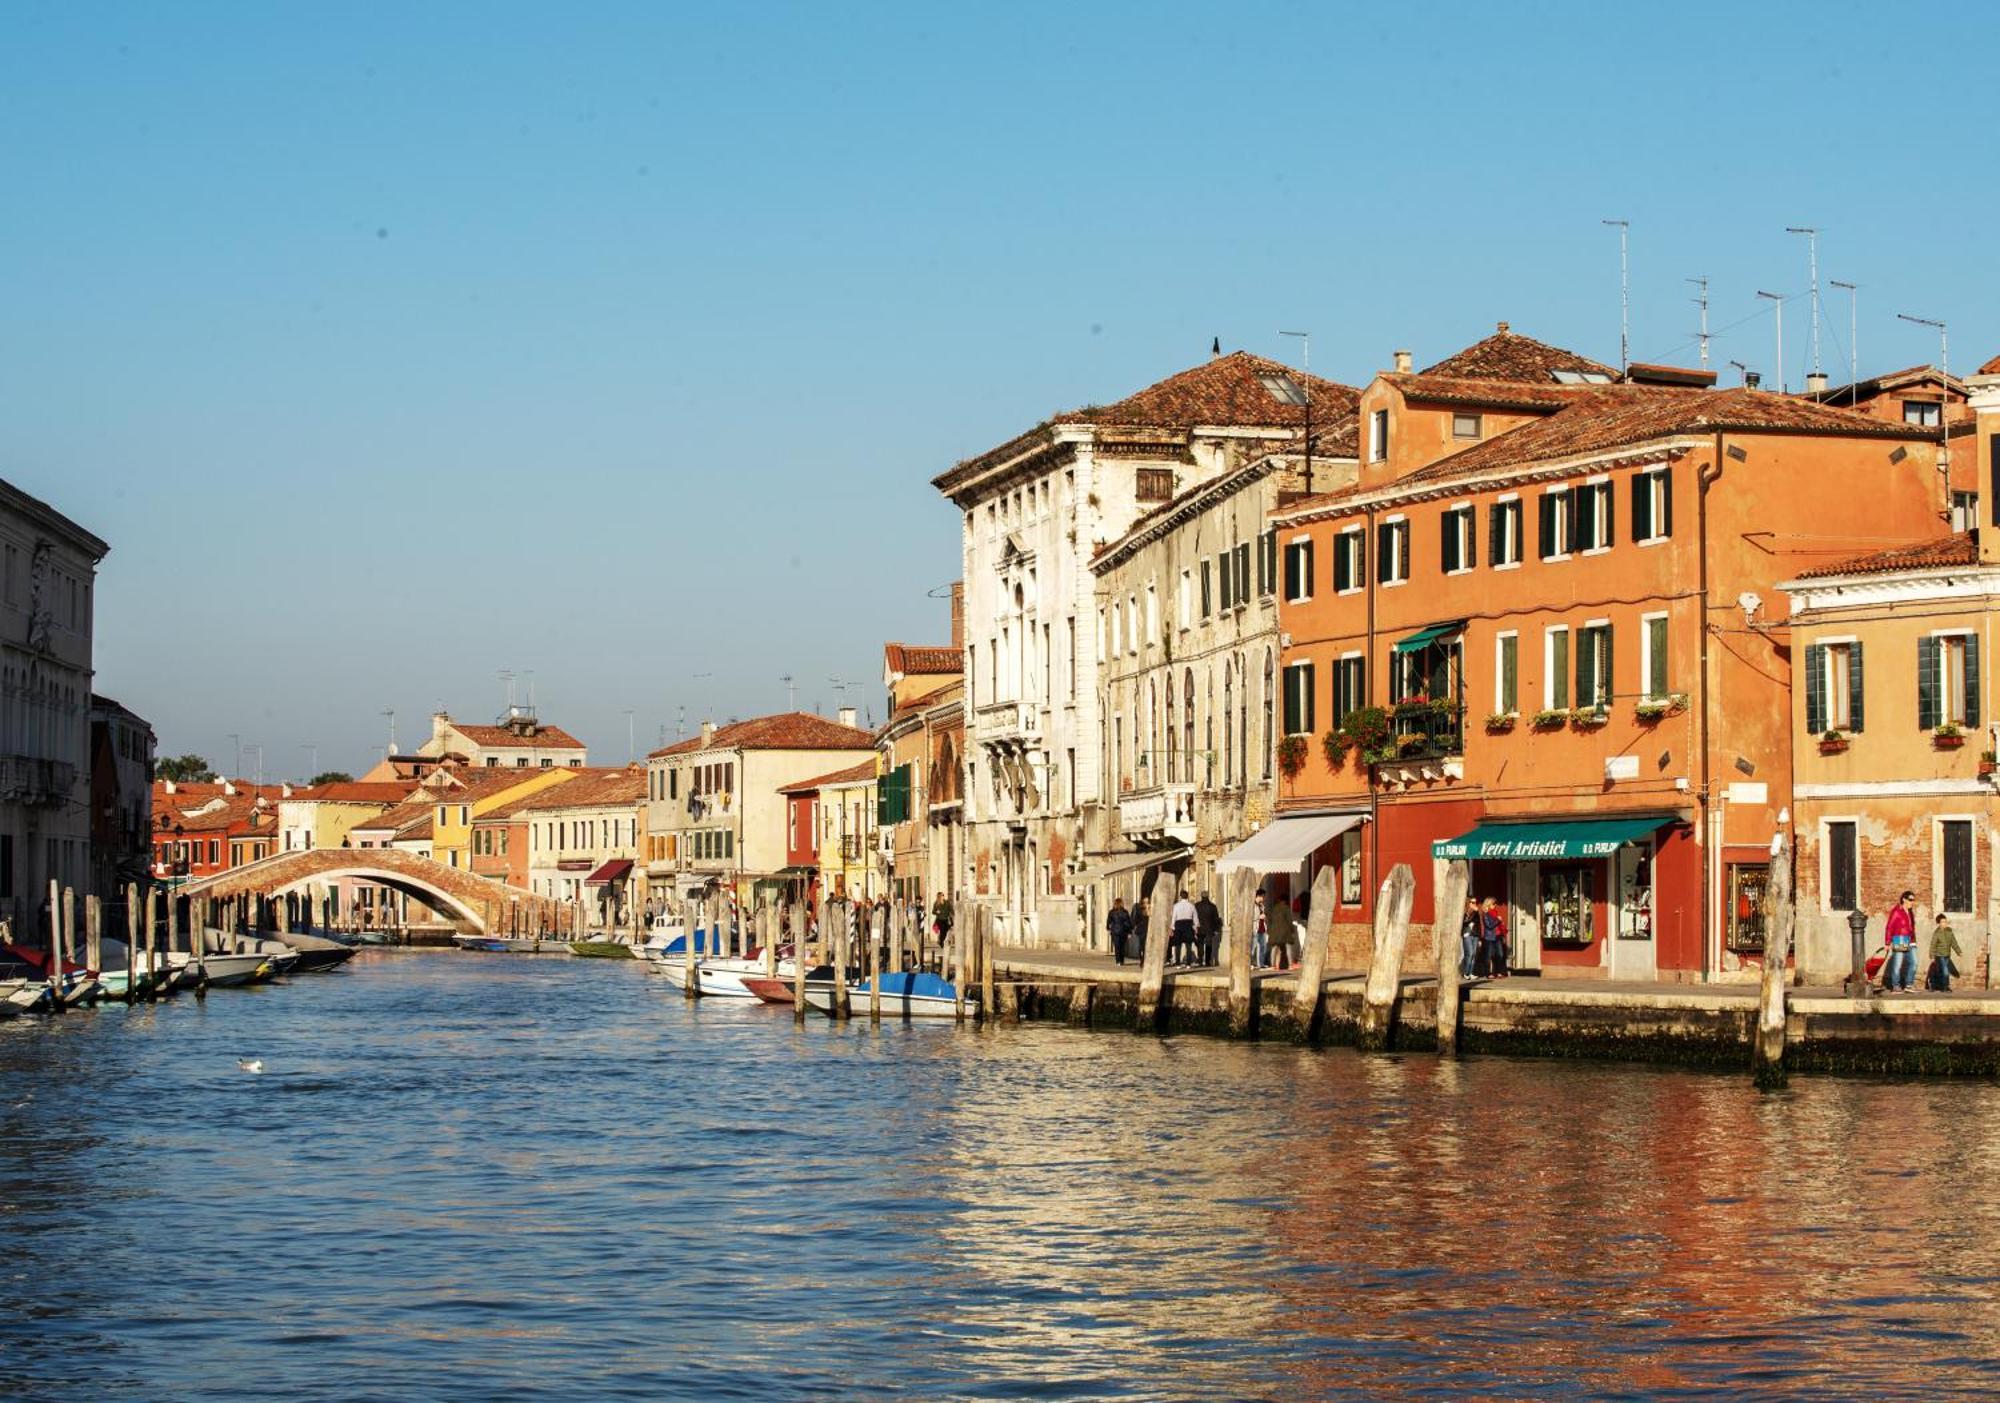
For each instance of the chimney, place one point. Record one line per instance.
(1215, 349)
(1504, 329)
(1816, 383)
(847, 715)
(1402, 362)
(707, 733)
(1751, 379)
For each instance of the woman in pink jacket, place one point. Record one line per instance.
(1901, 932)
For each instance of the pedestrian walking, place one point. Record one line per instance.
(1118, 925)
(1283, 932)
(1185, 917)
(1900, 930)
(1944, 956)
(1470, 930)
(1493, 938)
(1139, 919)
(1260, 944)
(1208, 929)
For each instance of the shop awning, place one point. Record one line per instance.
(1127, 862)
(1528, 842)
(1424, 637)
(609, 872)
(1286, 844)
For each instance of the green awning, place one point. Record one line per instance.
(1528, 842)
(1424, 637)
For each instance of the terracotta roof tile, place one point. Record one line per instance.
(545, 737)
(1226, 391)
(922, 660)
(788, 730)
(864, 770)
(1614, 416)
(588, 789)
(1507, 355)
(1942, 553)
(1991, 367)
(403, 821)
(356, 792)
(1894, 380)
(1485, 394)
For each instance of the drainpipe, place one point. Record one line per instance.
(1711, 812)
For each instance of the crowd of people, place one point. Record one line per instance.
(1194, 930)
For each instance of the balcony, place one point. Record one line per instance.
(25, 779)
(1426, 743)
(1005, 721)
(1164, 813)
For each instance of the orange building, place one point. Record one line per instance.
(1542, 631)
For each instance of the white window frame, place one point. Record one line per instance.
(1602, 527)
(1646, 653)
(1519, 516)
(1652, 481)
(1466, 515)
(1285, 694)
(1565, 520)
(1602, 679)
(1478, 425)
(1500, 641)
(1359, 550)
(1302, 545)
(1549, 671)
(1402, 540)
(1378, 435)
(1951, 701)
(1938, 821)
(1826, 823)
(1849, 642)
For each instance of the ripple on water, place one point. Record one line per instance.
(540, 1179)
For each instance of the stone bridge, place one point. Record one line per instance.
(472, 903)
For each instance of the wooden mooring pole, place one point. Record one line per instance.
(93, 935)
(693, 975)
(1770, 1048)
(843, 1006)
(989, 944)
(1243, 916)
(797, 919)
(1307, 1004)
(963, 912)
(132, 928)
(1153, 960)
(878, 925)
(1451, 881)
(1393, 905)
(55, 947)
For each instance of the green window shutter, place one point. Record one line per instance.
(1607, 678)
(1607, 521)
(1971, 679)
(1929, 709)
(1509, 680)
(1470, 517)
(1546, 505)
(1343, 560)
(1642, 507)
(1815, 689)
(1558, 671)
(1222, 569)
(1854, 687)
(1656, 650)
(1447, 541)
(1243, 572)
(1665, 525)
(1586, 679)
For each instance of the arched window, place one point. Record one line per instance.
(1243, 720)
(1270, 745)
(1208, 750)
(1228, 715)
(1173, 737)
(1187, 721)
(1149, 758)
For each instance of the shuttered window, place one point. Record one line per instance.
(1243, 573)
(1656, 656)
(1557, 525)
(1592, 512)
(1593, 666)
(1955, 837)
(1948, 680)
(1834, 687)
(1503, 533)
(1267, 562)
(1653, 505)
(1506, 673)
(1842, 867)
(1298, 570)
(1349, 687)
(1228, 581)
(1456, 541)
(1392, 552)
(1555, 681)
(1207, 589)
(1350, 561)
(1298, 699)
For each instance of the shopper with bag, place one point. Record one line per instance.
(1901, 932)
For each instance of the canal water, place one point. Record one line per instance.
(492, 1177)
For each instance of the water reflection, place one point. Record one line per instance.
(542, 1178)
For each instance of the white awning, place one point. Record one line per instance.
(1126, 862)
(1285, 845)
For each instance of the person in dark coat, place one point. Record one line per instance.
(1208, 928)
(1139, 930)
(1118, 925)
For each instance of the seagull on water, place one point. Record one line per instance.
(251, 1064)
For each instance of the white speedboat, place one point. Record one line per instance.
(227, 971)
(903, 996)
(720, 979)
(511, 944)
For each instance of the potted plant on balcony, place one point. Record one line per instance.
(1949, 736)
(1502, 721)
(1367, 729)
(1589, 718)
(1986, 762)
(1833, 742)
(1292, 756)
(1551, 719)
(1656, 708)
(1334, 745)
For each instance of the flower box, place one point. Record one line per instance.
(1501, 722)
(1947, 740)
(1549, 720)
(1835, 745)
(1589, 718)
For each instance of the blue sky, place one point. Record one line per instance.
(392, 346)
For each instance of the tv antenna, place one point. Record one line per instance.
(1624, 227)
(1853, 291)
(1812, 269)
(791, 692)
(1944, 368)
(507, 676)
(631, 743)
(391, 714)
(1701, 301)
(1778, 300)
(312, 750)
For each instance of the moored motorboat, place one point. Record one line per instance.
(228, 971)
(717, 979)
(511, 944)
(906, 995)
(315, 952)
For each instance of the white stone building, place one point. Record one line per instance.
(517, 741)
(48, 571)
(1185, 638)
(1035, 511)
(583, 840)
